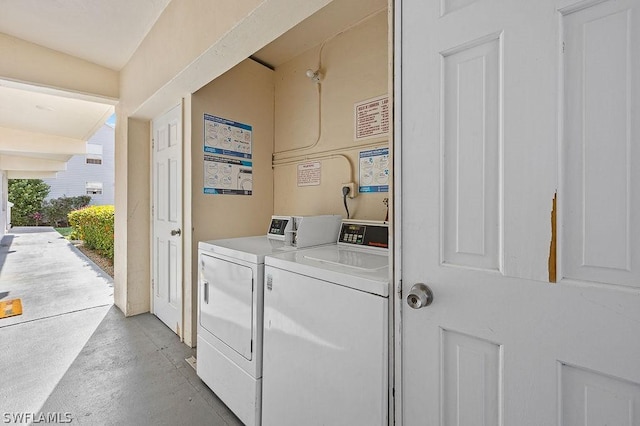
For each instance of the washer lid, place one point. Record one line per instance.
(249, 249)
(359, 269)
(366, 262)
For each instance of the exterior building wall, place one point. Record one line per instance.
(72, 182)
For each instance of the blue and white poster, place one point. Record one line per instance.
(231, 176)
(374, 170)
(226, 137)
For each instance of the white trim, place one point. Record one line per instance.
(560, 147)
(397, 212)
(152, 189)
(578, 6)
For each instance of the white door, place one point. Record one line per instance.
(505, 106)
(167, 218)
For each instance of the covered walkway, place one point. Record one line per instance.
(72, 353)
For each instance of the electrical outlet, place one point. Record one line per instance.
(352, 189)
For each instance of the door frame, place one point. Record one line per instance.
(396, 58)
(183, 314)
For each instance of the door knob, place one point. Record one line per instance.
(175, 232)
(419, 296)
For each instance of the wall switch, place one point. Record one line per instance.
(352, 189)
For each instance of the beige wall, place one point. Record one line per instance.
(132, 216)
(243, 94)
(120, 216)
(354, 65)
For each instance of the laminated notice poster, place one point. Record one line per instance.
(374, 170)
(228, 168)
(223, 175)
(226, 137)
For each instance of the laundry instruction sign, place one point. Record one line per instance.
(374, 170)
(228, 168)
(223, 175)
(227, 137)
(371, 118)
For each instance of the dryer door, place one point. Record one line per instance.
(227, 302)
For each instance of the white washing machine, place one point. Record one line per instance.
(325, 347)
(230, 301)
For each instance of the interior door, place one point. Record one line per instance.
(167, 218)
(518, 143)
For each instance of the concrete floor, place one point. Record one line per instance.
(72, 354)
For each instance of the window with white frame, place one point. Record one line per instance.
(94, 188)
(94, 154)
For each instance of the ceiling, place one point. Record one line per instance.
(51, 114)
(328, 22)
(106, 33)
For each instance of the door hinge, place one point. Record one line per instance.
(152, 211)
(153, 283)
(400, 289)
(153, 143)
(563, 46)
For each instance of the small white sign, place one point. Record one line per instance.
(309, 174)
(371, 118)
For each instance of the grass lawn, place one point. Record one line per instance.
(65, 232)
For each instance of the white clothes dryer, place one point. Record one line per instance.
(230, 305)
(325, 347)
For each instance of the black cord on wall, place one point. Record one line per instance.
(345, 192)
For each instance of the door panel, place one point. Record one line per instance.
(173, 284)
(167, 218)
(226, 303)
(471, 383)
(471, 154)
(602, 91)
(594, 399)
(495, 121)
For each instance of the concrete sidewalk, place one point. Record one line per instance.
(49, 274)
(72, 353)
(64, 298)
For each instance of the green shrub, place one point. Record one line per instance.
(56, 211)
(27, 196)
(94, 226)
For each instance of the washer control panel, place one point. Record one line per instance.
(364, 233)
(278, 227)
